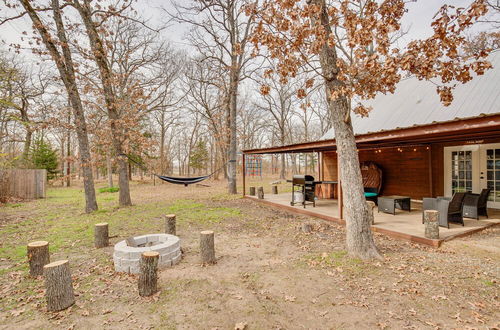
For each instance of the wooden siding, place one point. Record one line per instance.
(404, 173)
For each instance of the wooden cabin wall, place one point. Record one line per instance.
(405, 173)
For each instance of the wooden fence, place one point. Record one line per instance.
(26, 184)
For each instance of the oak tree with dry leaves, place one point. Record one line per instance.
(349, 44)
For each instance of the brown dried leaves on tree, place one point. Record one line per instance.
(363, 35)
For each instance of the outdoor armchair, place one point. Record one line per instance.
(449, 210)
(475, 205)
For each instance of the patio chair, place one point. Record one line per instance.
(449, 210)
(475, 205)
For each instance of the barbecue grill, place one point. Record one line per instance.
(305, 185)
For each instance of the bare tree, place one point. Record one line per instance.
(58, 48)
(220, 34)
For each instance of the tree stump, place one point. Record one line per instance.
(275, 190)
(431, 218)
(207, 250)
(58, 286)
(260, 193)
(252, 191)
(370, 206)
(38, 256)
(101, 235)
(170, 224)
(148, 277)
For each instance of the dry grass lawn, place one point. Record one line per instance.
(269, 275)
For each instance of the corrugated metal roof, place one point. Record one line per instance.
(416, 103)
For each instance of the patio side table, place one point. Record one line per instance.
(389, 204)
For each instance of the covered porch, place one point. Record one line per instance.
(404, 225)
(438, 159)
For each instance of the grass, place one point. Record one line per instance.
(61, 222)
(109, 189)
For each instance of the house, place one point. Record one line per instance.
(423, 148)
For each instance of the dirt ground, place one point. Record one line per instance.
(269, 274)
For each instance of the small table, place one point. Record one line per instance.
(389, 204)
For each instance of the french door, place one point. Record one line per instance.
(473, 168)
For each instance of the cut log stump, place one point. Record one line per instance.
(275, 190)
(207, 249)
(58, 286)
(371, 206)
(260, 192)
(38, 256)
(170, 224)
(431, 222)
(252, 191)
(101, 235)
(148, 277)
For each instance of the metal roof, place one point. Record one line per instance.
(416, 103)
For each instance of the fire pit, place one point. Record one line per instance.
(126, 258)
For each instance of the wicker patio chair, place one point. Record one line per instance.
(475, 205)
(450, 210)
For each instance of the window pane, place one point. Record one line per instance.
(489, 164)
(489, 175)
(497, 153)
(497, 175)
(489, 154)
(490, 185)
(461, 155)
(468, 155)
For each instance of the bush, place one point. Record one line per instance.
(109, 190)
(43, 156)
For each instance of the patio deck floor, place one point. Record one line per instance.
(404, 225)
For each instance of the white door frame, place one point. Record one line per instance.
(447, 166)
(478, 167)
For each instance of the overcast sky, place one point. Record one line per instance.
(417, 20)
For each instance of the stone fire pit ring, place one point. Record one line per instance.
(126, 258)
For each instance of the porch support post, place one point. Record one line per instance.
(319, 165)
(431, 187)
(340, 197)
(243, 173)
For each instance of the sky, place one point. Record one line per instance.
(417, 20)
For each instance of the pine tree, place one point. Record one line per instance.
(199, 156)
(43, 156)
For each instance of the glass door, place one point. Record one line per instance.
(490, 173)
(461, 171)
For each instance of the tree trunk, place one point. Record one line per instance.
(58, 286)
(106, 75)
(359, 238)
(101, 235)
(38, 256)
(275, 190)
(252, 191)
(66, 70)
(207, 249)
(109, 169)
(283, 169)
(233, 92)
(148, 277)
(170, 224)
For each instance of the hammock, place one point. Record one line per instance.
(184, 181)
(176, 180)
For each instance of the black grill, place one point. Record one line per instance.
(306, 186)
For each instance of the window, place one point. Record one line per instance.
(461, 171)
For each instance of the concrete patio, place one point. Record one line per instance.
(404, 225)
